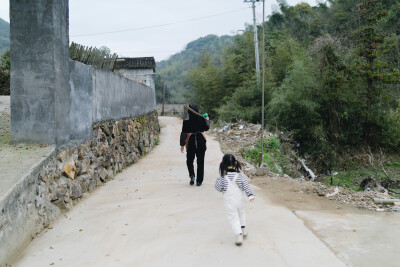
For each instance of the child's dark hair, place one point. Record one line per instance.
(229, 160)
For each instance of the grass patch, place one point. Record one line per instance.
(274, 156)
(355, 173)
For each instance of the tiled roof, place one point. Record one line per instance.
(136, 63)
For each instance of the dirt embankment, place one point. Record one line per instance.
(292, 192)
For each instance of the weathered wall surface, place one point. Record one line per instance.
(98, 95)
(118, 97)
(39, 79)
(24, 212)
(99, 121)
(81, 116)
(67, 174)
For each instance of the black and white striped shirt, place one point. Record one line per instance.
(222, 184)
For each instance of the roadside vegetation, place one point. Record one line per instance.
(332, 84)
(5, 73)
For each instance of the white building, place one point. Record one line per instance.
(140, 69)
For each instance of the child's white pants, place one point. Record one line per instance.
(234, 206)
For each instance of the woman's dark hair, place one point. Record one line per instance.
(194, 107)
(227, 161)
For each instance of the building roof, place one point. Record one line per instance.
(136, 63)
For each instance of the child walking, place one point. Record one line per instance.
(232, 184)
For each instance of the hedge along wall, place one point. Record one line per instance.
(113, 123)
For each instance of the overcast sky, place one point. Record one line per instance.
(167, 26)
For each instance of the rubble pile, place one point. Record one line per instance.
(362, 200)
(234, 137)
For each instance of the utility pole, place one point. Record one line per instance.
(258, 67)
(163, 100)
(263, 84)
(255, 37)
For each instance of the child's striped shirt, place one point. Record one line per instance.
(222, 184)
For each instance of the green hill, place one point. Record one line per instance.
(4, 35)
(174, 70)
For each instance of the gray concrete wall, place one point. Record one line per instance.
(61, 70)
(25, 211)
(116, 97)
(81, 116)
(39, 71)
(98, 95)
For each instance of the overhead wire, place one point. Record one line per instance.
(161, 25)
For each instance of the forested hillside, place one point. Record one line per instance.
(174, 70)
(4, 35)
(332, 79)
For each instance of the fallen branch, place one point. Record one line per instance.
(383, 168)
(393, 192)
(385, 201)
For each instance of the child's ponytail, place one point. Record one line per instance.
(229, 160)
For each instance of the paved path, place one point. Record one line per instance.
(150, 216)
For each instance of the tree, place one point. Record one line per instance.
(206, 81)
(5, 73)
(373, 70)
(105, 49)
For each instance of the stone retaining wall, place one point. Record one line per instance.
(67, 174)
(116, 144)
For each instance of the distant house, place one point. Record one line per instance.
(140, 69)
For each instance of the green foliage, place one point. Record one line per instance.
(4, 35)
(373, 70)
(391, 130)
(272, 153)
(175, 69)
(5, 73)
(160, 83)
(274, 156)
(207, 83)
(243, 105)
(332, 77)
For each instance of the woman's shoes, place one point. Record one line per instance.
(192, 178)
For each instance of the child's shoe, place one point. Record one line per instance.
(239, 240)
(192, 180)
(244, 232)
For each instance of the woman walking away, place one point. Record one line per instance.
(232, 184)
(193, 138)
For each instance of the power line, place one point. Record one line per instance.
(161, 25)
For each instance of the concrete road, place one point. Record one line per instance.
(150, 216)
